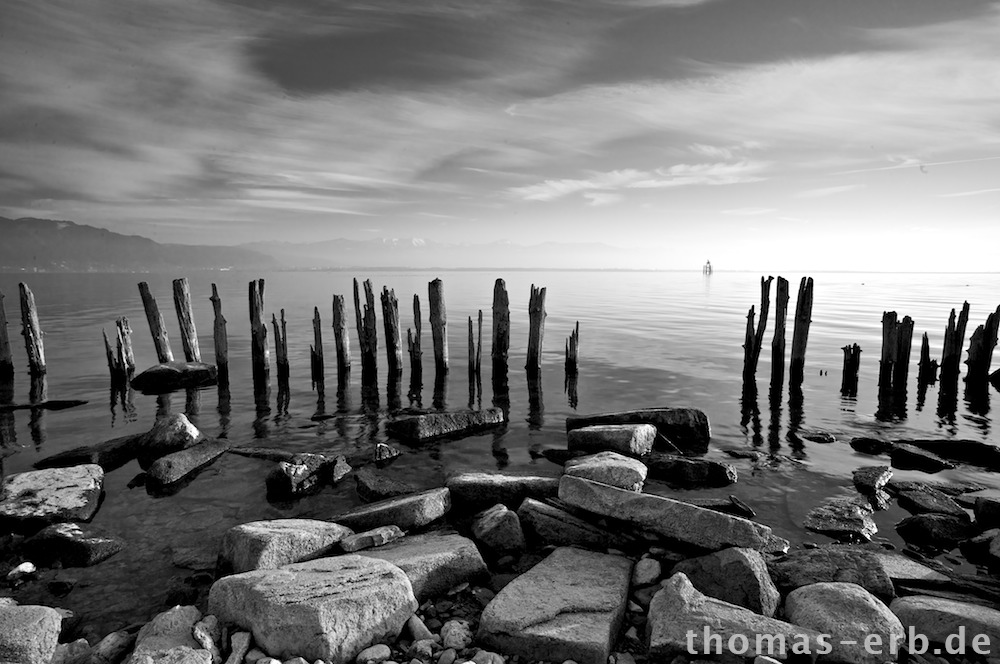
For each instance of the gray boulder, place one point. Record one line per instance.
(634, 440)
(848, 564)
(305, 473)
(473, 492)
(174, 467)
(871, 479)
(665, 517)
(609, 468)
(737, 576)
(422, 428)
(548, 524)
(570, 606)
(407, 512)
(684, 473)
(843, 518)
(271, 544)
(169, 434)
(28, 634)
(852, 616)
(499, 530)
(70, 545)
(929, 500)
(328, 609)
(36, 498)
(686, 428)
(943, 531)
(169, 637)
(938, 618)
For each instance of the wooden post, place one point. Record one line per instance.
(800, 334)
(472, 358)
(954, 341)
(755, 337)
(479, 347)
(572, 350)
(536, 328)
(390, 321)
(157, 328)
(778, 342)
(501, 322)
(927, 368)
(280, 346)
(981, 346)
(439, 325)
(189, 336)
(113, 367)
(32, 332)
(904, 342)
(340, 336)
(413, 335)
(126, 355)
(889, 346)
(316, 362)
(852, 362)
(367, 331)
(6, 358)
(220, 338)
(258, 338)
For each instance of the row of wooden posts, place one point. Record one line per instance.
(30, 330)
(800, 335)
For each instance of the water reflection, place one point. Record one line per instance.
(192, 405)
(225, 409)
(774, 423)
(414, 394)
(8, 433)
(750, 414)
(570, 383)
(501, 387)
(164, 405)
(536, 407)
(121, 394)
(440, 389)
(796, 399)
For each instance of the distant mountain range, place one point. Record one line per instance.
(49, 245)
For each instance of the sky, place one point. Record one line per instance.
(759, 134)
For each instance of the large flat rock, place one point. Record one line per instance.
(849, 564)
(938, 618)
(28, 634)
(609, 468)
(171, 376)
(329, 609)
(548, 524)
(678, 610)
(69, 545)
(168, 637)
(109, 455)
(634, 440)
(687, 428)
(668, 518)
(433, 562)
(37, 498)
(421, 428)
(568, 607)
(177, 465)
(413, 511)
(272, 544)
(477, 491)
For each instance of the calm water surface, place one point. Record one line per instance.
(647, 339)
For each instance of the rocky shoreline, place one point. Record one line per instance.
(491, 568)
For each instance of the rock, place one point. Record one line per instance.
(328, 609)
(871, 479)
(169, 434)
(407, 512)
(173, 467)
(729, 505)
(635, 440)
(943, 531)
(370, 538)
(842, 518)
(456, 634)
(112, 648)
(28, 634)
(37, 498)
(570, 605)
(499, 530)
(902, 569)
(255, 655)
(384, 454)
(109, 455)
(447, 656)
(77, 652)
(849, 564)
(271, 544)
(239, 644)
(208, 634)
(374, 654)
(21, 572)
(169, 631)
(687, 428)
(682, 473)
(668, 518)
(551, 525)
(850, 614)
(908, 457)
(69, 545)
(171, 376)
(872, 446)
(938, 618)
(952, 488)
(474, 492)
(679, 609)
(487, 657)
(417, 629)
(433, 562)
(304, 474)
(646, 572)
(822, 437)
(987, 511)
(373, 486)
(932, 501)
(609, 468)
(973, 452)
(735, 576)
(422, 428)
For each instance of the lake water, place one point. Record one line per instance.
(646, 339)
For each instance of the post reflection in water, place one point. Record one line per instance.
(394, 401)
(192, 405)
(414, 394)
(570, 388)
(8, 434)
(39, 392)
(795, 402)
(440, 390)
(164, 405)
(501, 388)
(774, 424)
(225, 409)
(750, 414)
(536, 408)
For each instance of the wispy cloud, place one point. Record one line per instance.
(977, 192)
(749, 211)
(823, 192)
(598, 198)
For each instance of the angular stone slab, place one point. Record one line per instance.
(498, 529)
(407, 512)
(666, 517)
(609, 468)
(421, 428)
(169, 637)
(944, 531)
(734, 575)
(930, 500)
(177, 465)
(373, 486)
(169, 434)
(972, 452)
(900, 568)
(272, 544)
(36, 498)
(172, 376)
(477, 491)
(683, 473)
(551, 525)
(678, 608)
(567, 607)
(370, 538)
(109, 455)
(687, 428)
(832, 563)
(69, 545)
(433, 562)
(910, 457)
(329, 609)
(938, 618)
(634, 440)
(842, 518)
(28, 634)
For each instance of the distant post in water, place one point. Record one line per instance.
(852, 363)
(954, 341)
(927, 368)
(220, 338)
(572, 350)
(501, 323)
(778, 342)
(157, 328)
(258, 338)
(390, 321)
(367, 331)
(189, 336)
(536, 329)
(981, 346)
(439, 325)
(125, 352)
(316, 363)
(280, 346)
(32, 332)
(800, 335)
(341, 337)
(755, 336)
(6, 358)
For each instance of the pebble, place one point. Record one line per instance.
(459, 588)
(433, 624)
(418, 630)
(375, 654)
(487, 657)
(22, 571)
(254, 655)
(484, 596)
(624, 658)
(447, 656)
(456, 634)
(647, 571)
(422, 649)
(297, 660)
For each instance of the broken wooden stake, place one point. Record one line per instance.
(6, 358)
(778, 342)
(536, 328)
(260, 356)
(32, 332)
(390, 321)
(220, 338)
(954, 341)
(755, 335)
(126, 355)
(852, 363)
(189, 336)
(316, 364)
(280, 346)
(157, 328)
(367, 332)
(904, 343)
(439, 325)
(800, 334)
(927, 368)
(340, 337)
(501, 322)
(572, 350)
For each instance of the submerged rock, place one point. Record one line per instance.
(305, 473)
(69, 545)
(943, 531)
(272, 544)
(421, 428)
(634, 440)
(570, 606)
(683, 473)
(407, 512)
(908, 457)
(373, 486)
(174, 467)
(473, 492)
(109, 455)
(36, 498)
(842, 518)
(172, 376)
(686, 428)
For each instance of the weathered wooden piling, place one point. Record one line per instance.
(157, 328)
(113, 367)
(219, 337)
(125, 352)
(189, 336)
(280, 345)
(6, 358)
(316, 363)
(981, 346)
(340, 336)
(479, 346)
(258, 339)
(901, 363)
(800, 334)
(954, 341)
(472, 352)
(536, 328)
(390, 321)
(367, 331)
(413, 336)
(501, 322)
(852, 363)
(927, 368)
(755, 334)
(889, 333)
(778, 342)
(439, 325)
(32, 331)
(572, 350)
